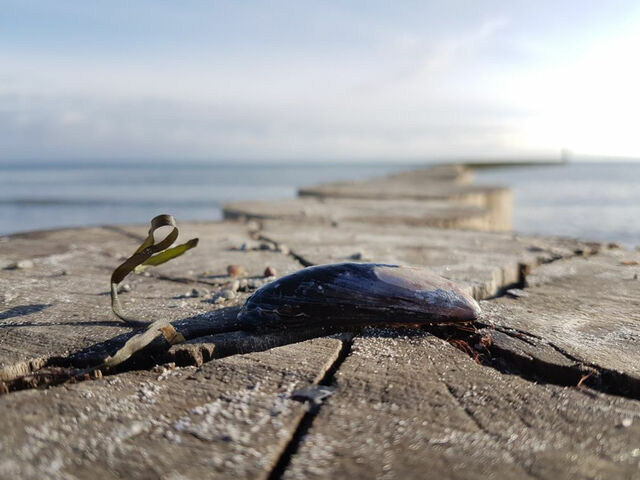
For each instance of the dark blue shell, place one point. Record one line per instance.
(357, 294)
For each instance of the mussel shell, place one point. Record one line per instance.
(357, 294)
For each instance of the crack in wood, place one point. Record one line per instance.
(313, 409)
(466, 411)
(526, 364)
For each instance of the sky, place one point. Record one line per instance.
(310, 81)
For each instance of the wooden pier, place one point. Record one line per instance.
(545, 385)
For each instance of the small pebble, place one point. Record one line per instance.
(235, 270)
(243, 284)
(227, 294)
(314, 393)
(164, 367)
(357, 256)
(124, 288)
(234, 286)
(24, 264)
(254, 226)
(627, 422)
(254, 283)
(270, 272)
(282, 248)
(517, 293)
(199, 292)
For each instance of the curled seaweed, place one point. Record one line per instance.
(149, 253)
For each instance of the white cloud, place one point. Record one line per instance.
(396, 92)
(588, 102)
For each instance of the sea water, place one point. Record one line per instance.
(41, 195)
(591, 201)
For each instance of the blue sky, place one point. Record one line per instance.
(300, 80)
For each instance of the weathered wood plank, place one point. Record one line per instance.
(221, 244)
(586, 308)
(406, 407)
(231, 418)
(485, 262)
(61, 303)
(50, 246)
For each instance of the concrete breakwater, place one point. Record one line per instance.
(441, 196)
(546, 385)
